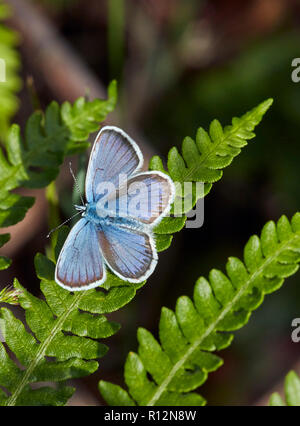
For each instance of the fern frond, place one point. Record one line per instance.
(65, 326)
(180, 363)
(10, 296)
(8, 53)
(63, 338)
(291, 391)
(204, 159)
(33, 161)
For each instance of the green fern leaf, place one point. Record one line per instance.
(115, 395)
(9, 295)
(9, 55)
(202, 160)
(180, 363)
(4, 261)
(33, 161)
(63, 342)
(291, 390)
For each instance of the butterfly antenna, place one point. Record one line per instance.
(76, 183)
(59, 226)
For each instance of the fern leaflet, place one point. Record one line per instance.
(4, 261)
(291, 391)
(203, 160)
(223, 303)
(10, 61)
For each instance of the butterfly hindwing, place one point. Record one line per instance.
(129, 253)
(145, 197)
(80, 264)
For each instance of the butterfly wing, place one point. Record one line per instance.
(113, 153)
(80, 264)
(146, 197)
(129, 253)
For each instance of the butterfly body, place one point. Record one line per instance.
(115, 230)
(103, 218)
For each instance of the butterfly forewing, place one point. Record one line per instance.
(80, 263)
(114, 153)
(129, 253)
(145, 197)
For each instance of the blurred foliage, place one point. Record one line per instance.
(116, 37)
(4, 261)
(8, 53)
(291, 391)
(56, 4)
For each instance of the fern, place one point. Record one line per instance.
(9, 295)
(67, 345)
(203, 160)
(291, 390)
(179, 364)
(65, 327)
(33, 161)
(8, 101)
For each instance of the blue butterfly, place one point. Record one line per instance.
(115, 230)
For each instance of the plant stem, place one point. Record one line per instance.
(80, 177)
(116, 31)
(53, 216)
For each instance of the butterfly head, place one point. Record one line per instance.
(81, 208)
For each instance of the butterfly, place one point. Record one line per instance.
(116, 227)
